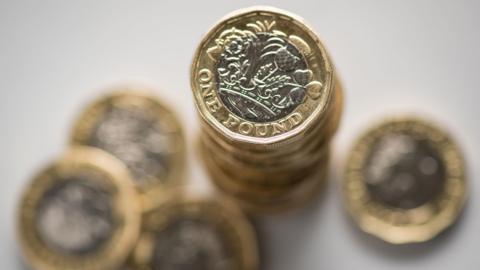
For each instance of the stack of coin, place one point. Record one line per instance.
(405, 181)
(269, 102)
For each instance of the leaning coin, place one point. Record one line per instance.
(405, 181)
(261, 77)
(140, 131)
(81, 212)
(185, 232)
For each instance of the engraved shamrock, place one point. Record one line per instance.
(303, 82)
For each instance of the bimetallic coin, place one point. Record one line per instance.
(405, 181)
(183, 232)
(137, 129)
(261, 77)
(80, 213)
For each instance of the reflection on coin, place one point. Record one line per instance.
(261, 76)
(405, 181)
(183, 232)
(138, 130)
(80, 213)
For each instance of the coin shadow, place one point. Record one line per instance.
(301, 221)
(407, 251)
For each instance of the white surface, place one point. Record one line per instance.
(399, 56)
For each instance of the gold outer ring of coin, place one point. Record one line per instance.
(213, 111)
(273, 188)
(126, 208)
(327, 127)
(324, 129)
(401, 226)
(129, 96)
(261, 175)
(293, 160)
(248, 170)
(309, 142)
(219, 209)
(297, 197)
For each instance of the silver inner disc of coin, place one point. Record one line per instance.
(261, 77)
(137, 139)
(75, 217)
(404, 172)
(188, 244)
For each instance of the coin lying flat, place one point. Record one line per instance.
(261, 76)
(405, 181)
(140, 131)
(80, 213)
(185, 232)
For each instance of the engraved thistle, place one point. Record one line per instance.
(262, 74)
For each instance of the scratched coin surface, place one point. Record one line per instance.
(261, 74)
(405, 181)
(138, 130)
(80, 213)
(195, 233)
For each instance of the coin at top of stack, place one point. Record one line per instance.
(269, 102)
(141, 131)
(405, 181)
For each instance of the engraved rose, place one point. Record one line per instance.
(236, 46)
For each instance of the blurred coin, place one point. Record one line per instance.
(81, 212)
(261, 77)
(300, 194)
(266, 188)
(263, 175)
(185, 232)
(140, 131)
(405, 181)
